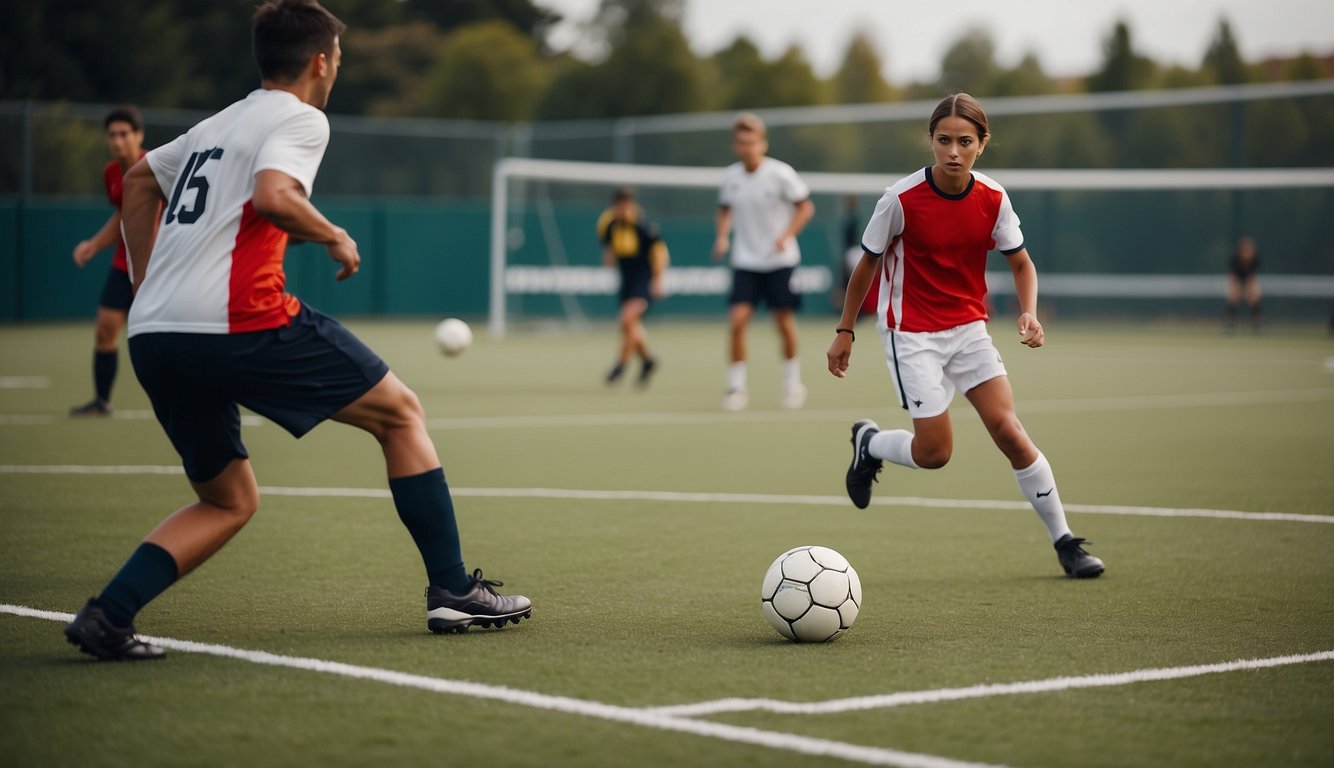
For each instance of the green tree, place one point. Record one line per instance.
(448, 15)
(859, 79)
(1122, 68)
(969, 64)
(1025, 79)
(650, 68)
(486, 71)
(1223, 59)
(384, 69)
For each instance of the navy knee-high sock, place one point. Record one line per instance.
(426, 510)
(104, 373)
(147, 574)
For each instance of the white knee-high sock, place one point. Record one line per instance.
(791, 373)
(893, 445)
(1038, 485)
(736, 377)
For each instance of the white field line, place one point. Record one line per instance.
(247, 419)
(686, 497)
(690, 418)
(694, 418)
(565, 705)
(25, 382)
(908, 698)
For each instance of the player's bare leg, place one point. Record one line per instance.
(994, 401)
(193, 533)
(634, 340)
(794, 392)
(928, 446)
(104, 627)
(738, 318)
(454, 600)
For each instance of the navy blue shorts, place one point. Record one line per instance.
(636, 287)
(773, 289)
(296, 376)
(116, 291)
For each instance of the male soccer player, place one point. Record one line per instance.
(634, 246)
(124, 128)
(768, 204)
(211, 327)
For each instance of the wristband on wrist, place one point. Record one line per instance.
(848, 331)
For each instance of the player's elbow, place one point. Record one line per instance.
(269, 202)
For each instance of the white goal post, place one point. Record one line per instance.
(608, 175)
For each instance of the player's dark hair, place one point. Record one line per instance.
(622, 194)
(287, 33)
(960, 105)
(125, 114)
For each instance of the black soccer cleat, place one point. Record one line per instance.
(481, 605)
(614, 375)
(95, 407)
(646, 369)
(1077, 563)
(94, 634)
(864, 468)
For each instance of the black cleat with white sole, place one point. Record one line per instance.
(94, 634)
(1077, 563)
(864, 468)
(480, 606)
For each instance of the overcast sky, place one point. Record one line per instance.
(1066, 36)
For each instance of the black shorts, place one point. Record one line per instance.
(773, 289)
(116, 291)
(636, 287)
(296, 376)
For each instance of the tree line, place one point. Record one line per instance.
(493, 60)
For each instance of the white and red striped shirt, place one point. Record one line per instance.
(935, 245)
(217, 265)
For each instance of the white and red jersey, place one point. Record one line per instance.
(763, 203)
(935, 245)
(217, 265)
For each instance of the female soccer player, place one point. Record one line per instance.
(928, 241)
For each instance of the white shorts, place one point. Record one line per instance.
(928, 367)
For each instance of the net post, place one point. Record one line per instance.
(499, 215)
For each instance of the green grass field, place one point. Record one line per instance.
(641, 524)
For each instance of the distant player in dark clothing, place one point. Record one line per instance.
(1243, 284)
(634, 246)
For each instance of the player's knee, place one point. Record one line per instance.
(1011, 438)
(932, 457)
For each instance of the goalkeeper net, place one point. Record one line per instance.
(1106, 242)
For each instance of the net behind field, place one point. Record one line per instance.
(1106, 242)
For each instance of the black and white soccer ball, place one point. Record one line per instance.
(811, 594)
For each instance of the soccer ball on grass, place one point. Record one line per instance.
(453, 336)
(811, 594)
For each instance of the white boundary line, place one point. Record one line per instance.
(679, 718)
(691, 418)
(635, 716)
(835, 706)
(694, 418)
(686, 497)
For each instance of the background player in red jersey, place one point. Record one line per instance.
(125, 138)
(928, 242)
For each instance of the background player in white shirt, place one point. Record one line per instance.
(927, 244)
(212, 327)
(768, 205)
